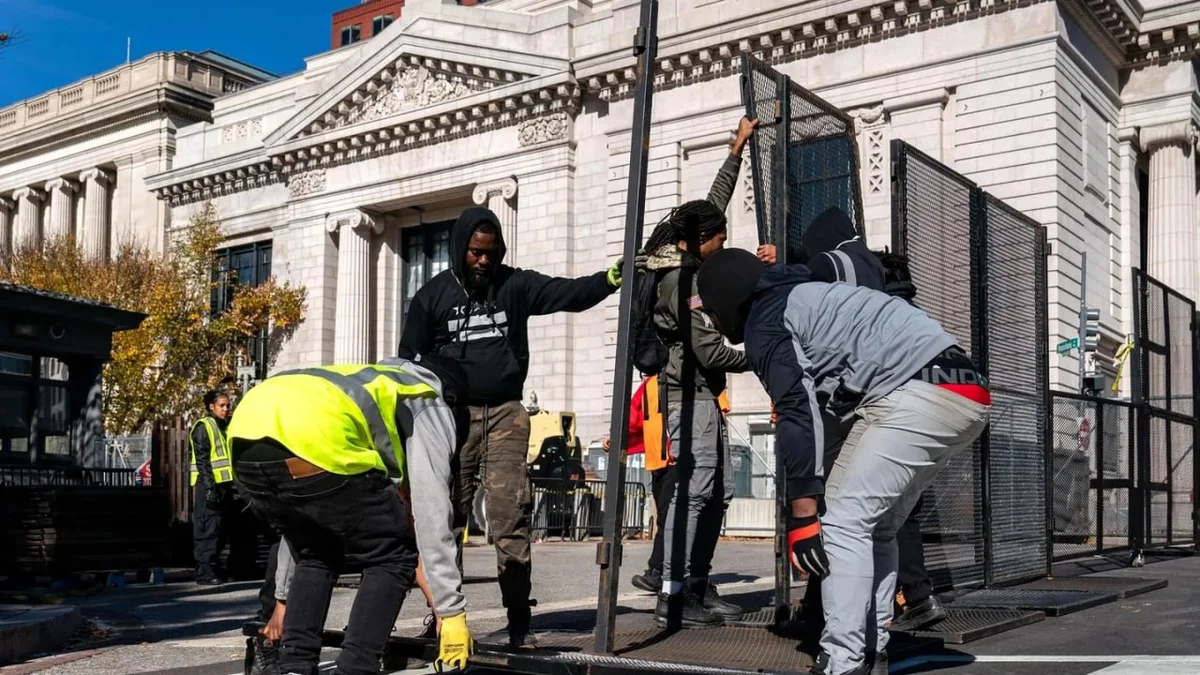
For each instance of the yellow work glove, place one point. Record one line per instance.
(456, 645)
(614, 273)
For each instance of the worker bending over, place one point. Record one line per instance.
(320, 452)
(919, 399)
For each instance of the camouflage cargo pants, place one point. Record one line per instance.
(495, 455)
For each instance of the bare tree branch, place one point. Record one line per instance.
(9, 39)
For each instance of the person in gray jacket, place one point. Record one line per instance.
(693, 378)
(841, 349)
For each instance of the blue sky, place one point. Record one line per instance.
(67, 40)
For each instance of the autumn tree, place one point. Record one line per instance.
(163, 368)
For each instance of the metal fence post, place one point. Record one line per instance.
(608, 554)
(979, 328)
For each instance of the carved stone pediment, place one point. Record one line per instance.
(409, 83)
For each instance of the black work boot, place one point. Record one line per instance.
(874, 665)
(262, 656)
(920, 615)
(707, 592)
(519, 632)
(683, 609)
(651, 581)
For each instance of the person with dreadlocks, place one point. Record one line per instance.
(477, 313)
(691, 380)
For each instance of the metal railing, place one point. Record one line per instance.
(574, 511)
(40, 476)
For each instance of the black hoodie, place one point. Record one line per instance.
(835, 252)
(486, 328)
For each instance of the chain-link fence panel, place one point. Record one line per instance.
(761, 87)
(1012, 334)
(1092, 450)
(822, 166)
(1165, 385)
(933, 212)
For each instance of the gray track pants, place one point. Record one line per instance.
(703, 489)
(892, 454)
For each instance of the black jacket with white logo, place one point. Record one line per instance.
(486, 328)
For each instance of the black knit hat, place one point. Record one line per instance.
(726, 283)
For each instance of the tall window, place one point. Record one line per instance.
(248, 265)
(822, 173)
(379, 23)
(351, 34)
(426, 252)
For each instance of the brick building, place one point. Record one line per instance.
(369, 18)
(1078, 114)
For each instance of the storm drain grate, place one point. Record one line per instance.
(963, 625)
(1052, 602)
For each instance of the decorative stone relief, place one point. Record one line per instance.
(412, 87)
(543, 129)
(871, 127)
(306, 183)
(242, 130)
(747, 185)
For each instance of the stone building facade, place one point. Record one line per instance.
(75, 160)
(1081, 114)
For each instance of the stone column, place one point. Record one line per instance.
(498, 197)
(93, 231)
(1172, 246)
(7, 208)
(61, 211)
(352, 314)
(28, 228)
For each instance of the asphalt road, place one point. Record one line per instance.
(182, 629)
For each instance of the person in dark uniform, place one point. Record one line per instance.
(211, 480)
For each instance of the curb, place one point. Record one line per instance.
(31, 630)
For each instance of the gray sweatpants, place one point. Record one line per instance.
(703, 489)
(892, 454)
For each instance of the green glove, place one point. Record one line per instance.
(614, 273)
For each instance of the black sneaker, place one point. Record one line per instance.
(265, 656)
(684, 609)
(714, 603)
(650, 582)
(430, 630)
(209, 580)
(920, 615)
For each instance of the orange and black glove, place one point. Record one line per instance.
(807, 546)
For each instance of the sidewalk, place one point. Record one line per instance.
(26, 630)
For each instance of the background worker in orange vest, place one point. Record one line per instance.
(646, 437)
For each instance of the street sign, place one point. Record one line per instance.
(1067, 345)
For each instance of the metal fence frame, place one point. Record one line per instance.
(1163, 404)
(574, 511)
(960, 242)
(1102, 485)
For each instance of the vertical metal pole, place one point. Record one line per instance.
(1082, 319)
(608, 554)
(782, 208)
(980, 328)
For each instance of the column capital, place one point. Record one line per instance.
(27, 193)
(506, 187)
(353, 219)
(6, 204)
(1182, 132)
(1129, 135)
(93, 174)
(61, 185)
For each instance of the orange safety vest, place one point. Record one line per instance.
(654, 438)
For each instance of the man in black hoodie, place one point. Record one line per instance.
(477, 313)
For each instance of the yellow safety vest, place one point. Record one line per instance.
(218, 452)
(341, 418)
